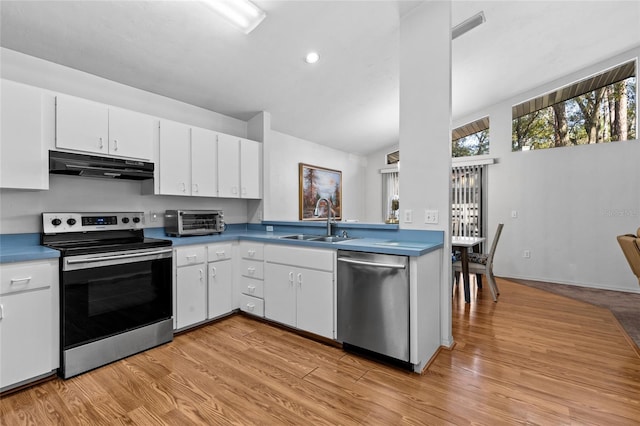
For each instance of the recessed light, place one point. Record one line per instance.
(312, 57)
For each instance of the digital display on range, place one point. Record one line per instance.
(99, 220)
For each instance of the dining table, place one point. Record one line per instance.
(463, 244)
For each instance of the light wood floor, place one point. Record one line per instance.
(531, 358)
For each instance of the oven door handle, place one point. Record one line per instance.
(117, 257)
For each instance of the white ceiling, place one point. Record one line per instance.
(348, 100)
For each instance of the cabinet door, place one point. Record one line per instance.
(24, 162)
(82, 125)
(280, 293)
(175, 159)
(220, 288)
(204, 163)
(191, 300)
(25, 336)
(314, 301)
(250, 168)
(228, 166)
(130, 134)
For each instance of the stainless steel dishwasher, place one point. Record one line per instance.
(373, 302)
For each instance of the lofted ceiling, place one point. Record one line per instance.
(349, 99)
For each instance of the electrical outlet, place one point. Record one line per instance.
(431, 216)
(153, 216)
(269, 228)
(514, 214)
(526, 254)
(408, 216)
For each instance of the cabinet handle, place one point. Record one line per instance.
(251, 253)
(221, 253)
(1, 311)
(20, 280)
(213, 271)
(251, 288)
(234, 190)
(100, 143)
(183, 187)
(291, 277)
(250, 307)
(201, 275)
(299, 279)
(191, 258)
(115, 144)
(195, 187)
(251, 270)
(244, 190)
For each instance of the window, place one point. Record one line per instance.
(468, 200)
(471, 139)
(390, 195)
(596, 110)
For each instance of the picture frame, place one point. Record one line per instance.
(316, 183)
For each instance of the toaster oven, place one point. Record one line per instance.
(179, 223)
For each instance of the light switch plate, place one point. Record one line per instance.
(431, 216)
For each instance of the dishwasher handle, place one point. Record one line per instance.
(375, 264)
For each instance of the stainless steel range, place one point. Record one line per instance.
(116, 287)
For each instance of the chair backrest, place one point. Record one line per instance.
(630, 245)
(494, 244)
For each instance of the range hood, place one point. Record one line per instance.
(66, 163)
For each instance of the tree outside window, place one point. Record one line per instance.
(597, 110)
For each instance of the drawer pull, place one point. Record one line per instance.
(1, 311)
(251, 270)
(20, 280)
(251, 253)
(221, 253)
(250, 307)
(252, 289)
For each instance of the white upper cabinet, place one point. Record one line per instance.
(87, 126)
(175, 158)
(204, 164)
(239, 167)
(24, 162)
(228, 166)
(250, 168)
(130, 134)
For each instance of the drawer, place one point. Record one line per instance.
(219, 252)
(300, 257)
(23, 276)
(252, 287)
(252, 268)
(252, 305)
(191, 255)
(251, 250)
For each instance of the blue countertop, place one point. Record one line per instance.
(367, 238)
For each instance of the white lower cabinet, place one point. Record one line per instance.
(29, 321)
(251, 279)
(220, 280)
(299, 288)
(190, 286)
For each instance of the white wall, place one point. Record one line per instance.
(20, 210)
(282, 153)
(571, 202)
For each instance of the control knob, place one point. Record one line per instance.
(71, 221)
(136, 219)
(56, 222)
(125, 220)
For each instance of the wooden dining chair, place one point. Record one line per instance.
(482, 264)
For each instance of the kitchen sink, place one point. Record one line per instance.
(311, 237)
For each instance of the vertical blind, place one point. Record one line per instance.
(467, 200)
(390, 188)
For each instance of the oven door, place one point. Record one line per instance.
(111, 293)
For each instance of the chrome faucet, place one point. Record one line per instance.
(316, 212)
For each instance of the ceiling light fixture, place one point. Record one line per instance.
(467, 25)
(312, 57)
(243, 14)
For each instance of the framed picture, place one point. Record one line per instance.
(316, 183)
